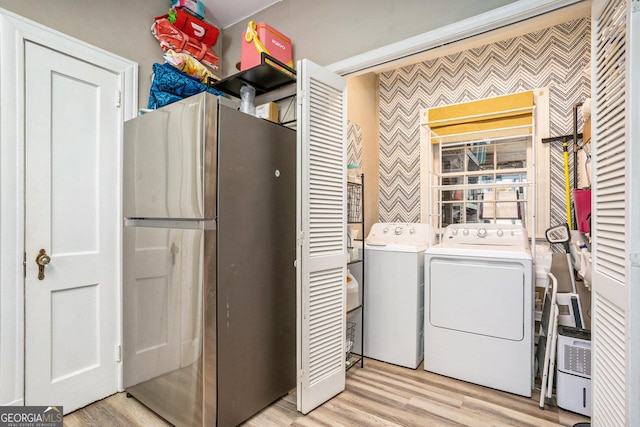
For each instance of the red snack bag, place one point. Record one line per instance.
(192, 26)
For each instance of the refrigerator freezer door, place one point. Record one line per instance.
(170, 161)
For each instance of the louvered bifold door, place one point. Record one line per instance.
(615, 215)
(321, 268)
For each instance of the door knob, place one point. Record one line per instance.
(42, 259)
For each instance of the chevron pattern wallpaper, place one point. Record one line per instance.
(555, 57)
(354, 143)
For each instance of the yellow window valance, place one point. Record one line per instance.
(457, 122)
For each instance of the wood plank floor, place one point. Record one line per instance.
(378, 395)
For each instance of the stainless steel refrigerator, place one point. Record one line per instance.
(209, 322)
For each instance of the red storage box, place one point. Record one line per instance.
(196, 28)
(260, 38)
(582, 205)
(191, 26)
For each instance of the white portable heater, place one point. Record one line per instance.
(573, 387)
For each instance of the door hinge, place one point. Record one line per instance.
(118, 353)
(24, 265)
(118, 99)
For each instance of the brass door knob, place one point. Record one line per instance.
(42, 259)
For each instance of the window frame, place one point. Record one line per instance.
(539, 203)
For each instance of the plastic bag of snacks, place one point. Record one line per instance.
(171, 37)
(189, 65)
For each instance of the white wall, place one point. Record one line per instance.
(325, 32)
(118, 26)
(332, 30)
(362, 109)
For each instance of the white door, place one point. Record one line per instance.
(72, 125)
(615, 212)
(321, 225)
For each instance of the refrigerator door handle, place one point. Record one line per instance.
(174, 251)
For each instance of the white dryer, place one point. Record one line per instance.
(479, 307)
(394, 304)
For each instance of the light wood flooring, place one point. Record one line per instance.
(378, 395)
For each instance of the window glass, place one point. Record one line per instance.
(494, 177)
(452, 213)
(480, 156)
(452, 194)
(452, 160)
(471, 212)
(510, 177)
(512, 155)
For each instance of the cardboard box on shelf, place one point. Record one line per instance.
(268, 110)
(586, 131)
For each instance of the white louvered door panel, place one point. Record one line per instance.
(321, 268)
(615, 212)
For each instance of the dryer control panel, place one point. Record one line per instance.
(486, 234)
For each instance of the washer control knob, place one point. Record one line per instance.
(454, 231)
(385, 230)
(465, 232)
(482, 232)
(398, 231)
(500, 233)
(412, 230)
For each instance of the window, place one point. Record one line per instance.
(479, 161)
(484, 181)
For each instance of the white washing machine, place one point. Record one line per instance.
(479, 307)
(394, 292)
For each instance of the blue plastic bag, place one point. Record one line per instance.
(171, 85)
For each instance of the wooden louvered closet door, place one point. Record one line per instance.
(615, 213)
(321, 225)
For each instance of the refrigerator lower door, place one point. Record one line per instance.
(169, 303)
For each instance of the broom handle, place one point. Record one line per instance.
(567, 184)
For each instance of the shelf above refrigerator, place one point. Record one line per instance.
(264, 77)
